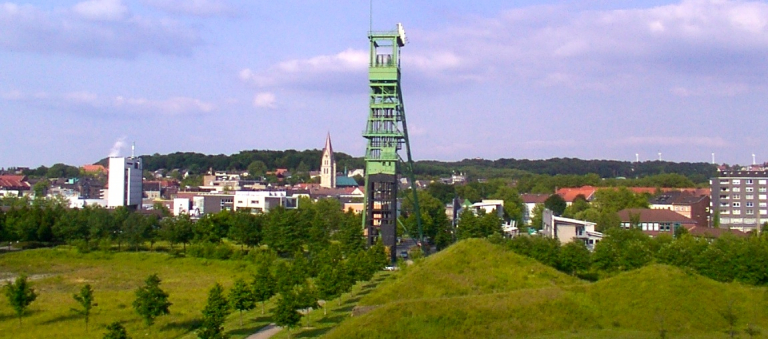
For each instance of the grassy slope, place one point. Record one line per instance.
(114, 278)
(635, 304)
(471, 267)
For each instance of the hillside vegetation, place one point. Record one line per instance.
(499, 294)
(471, 267)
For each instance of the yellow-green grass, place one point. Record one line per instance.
(637, 304)
(470, 267)
(56, 274)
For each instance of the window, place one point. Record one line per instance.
(736, 204)
(723, 204)
(761, 181)
(749, 204)
(762, 197)
(736, 182)
(723, 197)
(763, 212)
(762, 190)
(725, 182)
(725, 211)
(749, 189)
(750, 212)
(736, 196)
(750, 196)
(737, 189)
(749, 181)
(763, 204)
(723, 189)
(736, 211)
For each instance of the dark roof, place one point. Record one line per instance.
(654, 215)
(709, 232)
(743, 174)
(345, 181)
(676, 198)
(530, 198)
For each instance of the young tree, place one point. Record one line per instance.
(242, 297)
(85, 299)
(556, 204)
(151, 301)
(116, 330)
(306, 298)
(263, 285)
(285, 313)
(329, 284)
(20, 294)
(214, 314)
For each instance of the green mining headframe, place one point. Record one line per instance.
(386, 132)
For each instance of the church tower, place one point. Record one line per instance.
(328, 166)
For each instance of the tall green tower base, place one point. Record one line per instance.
(386, 132)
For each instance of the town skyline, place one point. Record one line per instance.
(533, 80)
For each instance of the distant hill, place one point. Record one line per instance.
(475, 168)
(531, 302)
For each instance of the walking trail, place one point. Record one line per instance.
(265, 332)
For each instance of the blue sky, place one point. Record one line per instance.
(499, 79)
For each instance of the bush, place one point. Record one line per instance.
(210, 251)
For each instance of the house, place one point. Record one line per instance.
(489, 206)
(263, 201)
(686, 203)
(14, 186)
(570, 193)
(529, 202)
(567, 230)
(654, 221)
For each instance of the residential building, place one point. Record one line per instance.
(263, 201)
(686, 203)
(125, 182)
(529, 202)
(654, 221)
(14, 186)
(567, 230)
(740, 199)
(570, 193)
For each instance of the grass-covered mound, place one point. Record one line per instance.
(660, 297)
(510, 314)
(56, 274)
(650, 302)
(470, 267)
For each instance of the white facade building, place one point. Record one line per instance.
(125, 175)
(567, 230)
(263, 201)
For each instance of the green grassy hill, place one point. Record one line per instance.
(471, 267)
(499, 294)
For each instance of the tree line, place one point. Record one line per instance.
(313, 226)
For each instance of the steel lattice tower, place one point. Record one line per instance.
(386, 132)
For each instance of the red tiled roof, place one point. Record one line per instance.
(14, 181)
(94, 169)
(569, 194)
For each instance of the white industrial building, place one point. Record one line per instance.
(125, 175)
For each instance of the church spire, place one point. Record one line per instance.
(328, 165)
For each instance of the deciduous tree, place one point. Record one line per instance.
(151, 301)
(20, 294)
(241, 297)
(86, 301)
(214, 314)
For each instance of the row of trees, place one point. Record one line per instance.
(313, 225)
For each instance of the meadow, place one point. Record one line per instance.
(56, 274)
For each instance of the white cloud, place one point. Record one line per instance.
(171, 106)
(203, 8)
(95, 28)
(109, 10)
(264, 100)
(306, 71)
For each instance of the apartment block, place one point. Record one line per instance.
(740, 199)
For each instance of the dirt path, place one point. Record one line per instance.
(265, 332)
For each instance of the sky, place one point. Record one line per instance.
(481, 79)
